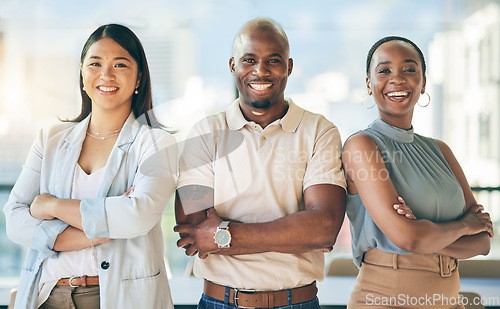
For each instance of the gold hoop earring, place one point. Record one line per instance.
(428, 101)
(363, 101)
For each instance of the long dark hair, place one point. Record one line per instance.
(142, 103)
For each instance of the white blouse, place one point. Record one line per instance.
(78, 262)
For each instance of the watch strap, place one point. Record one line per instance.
(224, 225)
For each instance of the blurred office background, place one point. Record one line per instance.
(188, 44)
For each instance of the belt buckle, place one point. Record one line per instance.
(235, 296)
(70, 279)
(444, 262)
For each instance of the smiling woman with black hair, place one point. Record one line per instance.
(90, 198)
(408, 255)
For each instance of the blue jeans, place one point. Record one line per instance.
(212, 303)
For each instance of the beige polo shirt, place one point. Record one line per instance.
(259, 175)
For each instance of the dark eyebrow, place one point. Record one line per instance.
(270, 56)
(122, 58)
(382, 63)
(116, 58)
(275, 55)
(410, 61)
(405, 61)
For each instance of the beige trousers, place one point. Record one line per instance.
(66, 297)
(388, 280)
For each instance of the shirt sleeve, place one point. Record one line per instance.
(21, 227)
(121, 217)
(325, 166)
(198, 156)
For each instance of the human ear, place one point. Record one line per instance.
(231, 66)
(369, 86)
(138, 80)
(423, 85)
(290, 66)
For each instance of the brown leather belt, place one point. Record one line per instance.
(260, 299)
(82, 281)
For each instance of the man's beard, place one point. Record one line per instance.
(261, 104)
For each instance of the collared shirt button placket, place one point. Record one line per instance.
(263, 148)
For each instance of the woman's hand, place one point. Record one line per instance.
(42, 206)
(477, 221)
(129, 191)
(326, 250)
(404, 209)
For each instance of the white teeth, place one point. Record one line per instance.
(107, 89)
(260, 86)
(398, 94)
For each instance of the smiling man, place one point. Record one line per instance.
(261, 65)
(261, 189)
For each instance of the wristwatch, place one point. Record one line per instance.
(222, 236)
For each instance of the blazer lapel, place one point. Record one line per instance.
(69, 154)
(115, 160)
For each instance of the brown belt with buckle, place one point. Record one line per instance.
(260, 299)
(82, 281)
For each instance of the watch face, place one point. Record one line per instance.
(222, 237)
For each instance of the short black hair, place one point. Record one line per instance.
(388, 39)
